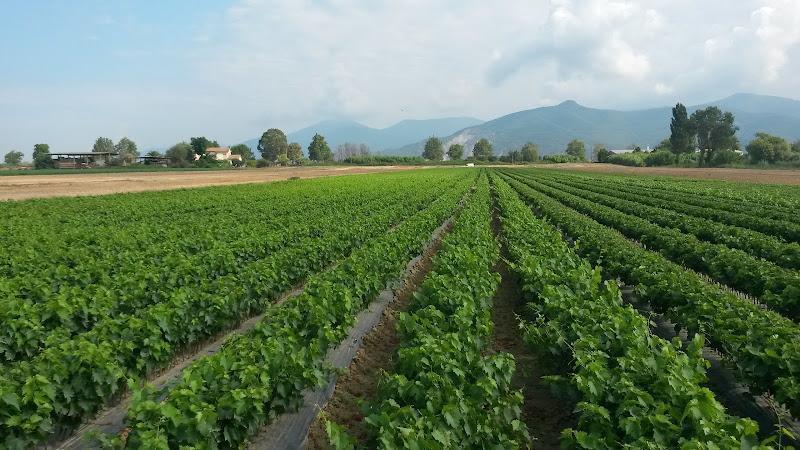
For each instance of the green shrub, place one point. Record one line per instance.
(560, 158)
(726, 157)
(627, 159)
(659, 158)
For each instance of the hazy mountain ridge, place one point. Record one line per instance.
(338, 132)
(552, 127)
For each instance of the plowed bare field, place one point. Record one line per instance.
(69, 185)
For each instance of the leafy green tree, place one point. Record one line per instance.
(725, 157)
(666, 144)
(154, 153)
(244, 150)
(434, 150)
(577, 149)
(455, 152)
(272, 144)
(715, 131)
(13, 158)
(41, 156)
(513, 156)
(768, 148)
(181, 154)
(40, 149)
(682, 131)
(295, 153)
(208, 160)
(201, 144)
(318, 149)
(796, 146)
(127, 150)
(126, 146)
(600, 153)
(103, 145)
(530, 152)
(482, 150)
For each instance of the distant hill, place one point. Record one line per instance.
(553, 127)
(760, 104)
(338, 132)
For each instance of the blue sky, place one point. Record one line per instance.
(160, 72)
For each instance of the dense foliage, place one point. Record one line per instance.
(773, 285)
(100, 293)
(445, 391)
(643, 205)
(193, 287)
(763, 345)
(636, 389)
(223, 399)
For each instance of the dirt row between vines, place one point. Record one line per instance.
(544, 413)
(21, 187)
(376, 354)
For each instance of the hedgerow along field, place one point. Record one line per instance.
(102, 294)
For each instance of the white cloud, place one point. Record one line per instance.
(778, 28)
(663, 89)
(383, 61)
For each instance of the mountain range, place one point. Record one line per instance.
(552, 127)
(338, 132)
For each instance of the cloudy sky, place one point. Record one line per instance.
(160, 72)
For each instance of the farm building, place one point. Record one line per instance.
(630, 150)
(79, 160)
(221, 154)
(162, 161)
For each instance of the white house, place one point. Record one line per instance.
(221, 154)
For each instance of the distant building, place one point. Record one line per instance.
(149, 160)
(631, 150)
(80, 160)
(221, 154)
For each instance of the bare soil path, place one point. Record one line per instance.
(770, 176)
(70, 185)
(376, 355)
(545, 414)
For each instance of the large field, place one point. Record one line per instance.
(769, 176)
(437, 308)
(19, 187)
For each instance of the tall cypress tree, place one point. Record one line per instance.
(682, 131)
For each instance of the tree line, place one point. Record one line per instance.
(125, 150)
(483, 150)
(273, 148)
(707, 137)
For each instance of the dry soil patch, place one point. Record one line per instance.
(70, 185)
